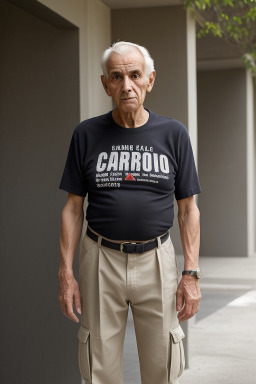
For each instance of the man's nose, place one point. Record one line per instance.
(127, 87)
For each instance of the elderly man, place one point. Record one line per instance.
(131, 162)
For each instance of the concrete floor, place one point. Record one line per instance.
(222, 336)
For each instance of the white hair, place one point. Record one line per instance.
(122, 47)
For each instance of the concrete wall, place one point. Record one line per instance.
(158, 28)
(222, 162)
(92, 17)
(215, 48)
(40, 104)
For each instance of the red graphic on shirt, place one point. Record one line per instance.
(130, 177)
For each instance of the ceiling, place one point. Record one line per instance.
(119, 4)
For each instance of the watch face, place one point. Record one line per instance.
(198, 273)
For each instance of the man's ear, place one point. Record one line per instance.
(151, 80)
(105, 84)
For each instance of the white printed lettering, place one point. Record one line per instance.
(131, 162)
(124, 161)
(146, 162)
(156, 164)
(164, 164)
(101, 166)
(135, 161)
(113, 161)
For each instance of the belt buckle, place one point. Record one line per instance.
(125, 242)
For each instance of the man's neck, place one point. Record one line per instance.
(130, 119)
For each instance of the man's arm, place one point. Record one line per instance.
(188, 292)
(71, 229)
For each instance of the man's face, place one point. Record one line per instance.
(127, 83)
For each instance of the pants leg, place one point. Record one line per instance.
(158, 333)
(104, 313)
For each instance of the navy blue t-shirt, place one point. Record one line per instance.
(131, 175)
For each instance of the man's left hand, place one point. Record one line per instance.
(189, 295)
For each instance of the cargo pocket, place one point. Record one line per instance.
(177, 357)
(84, 353)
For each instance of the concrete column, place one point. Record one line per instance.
(192, 81)
(250, 164)
(192, 125)
(254, 109)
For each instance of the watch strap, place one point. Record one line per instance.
(197, 273)
(193, 273)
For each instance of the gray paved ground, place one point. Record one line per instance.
(222, 336)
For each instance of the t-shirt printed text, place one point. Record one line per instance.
(130, 163)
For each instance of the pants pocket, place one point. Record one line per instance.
(84, 353)
(86, 245)
(177, 356)
(168, 248)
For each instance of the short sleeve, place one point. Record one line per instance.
(186, 180)
(73, 179)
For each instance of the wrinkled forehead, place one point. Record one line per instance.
(129, 59)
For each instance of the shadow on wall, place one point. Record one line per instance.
(40, 99)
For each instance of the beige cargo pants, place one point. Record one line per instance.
(109, 281)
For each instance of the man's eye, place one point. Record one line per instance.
(135, 76)
(116, 77)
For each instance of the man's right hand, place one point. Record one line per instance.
(69, 291)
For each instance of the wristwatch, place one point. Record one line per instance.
(197, 273)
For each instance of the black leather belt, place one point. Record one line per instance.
(127, 246)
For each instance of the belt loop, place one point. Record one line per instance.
(99, 241)
(159, 243)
